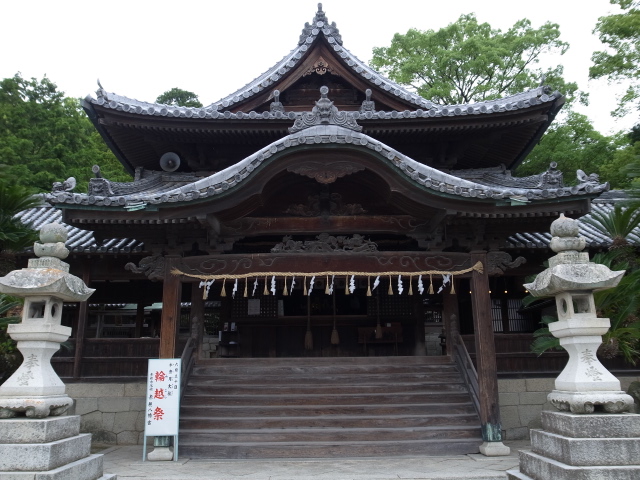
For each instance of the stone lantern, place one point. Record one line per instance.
(585, 384)
(35, 390)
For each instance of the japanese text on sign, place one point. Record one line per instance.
(162, 397)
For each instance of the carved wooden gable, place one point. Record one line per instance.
(321, 65)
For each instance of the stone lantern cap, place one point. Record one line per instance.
(48, 274)
(570, 269)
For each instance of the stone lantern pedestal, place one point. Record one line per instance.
(591, 437)
(36, 441)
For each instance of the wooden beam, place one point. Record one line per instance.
(171, 293)
(83, 312)
(485, 352)
(371, 262)
(347, 224)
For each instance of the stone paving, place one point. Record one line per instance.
(126, 462)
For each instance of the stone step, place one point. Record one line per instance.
(320, 370)
(539, 467)
(309, 407)
(422, 398)
(313, 435)
(326, 379)
(328, 421)
(87, 468)
(516, 474)
(586, 451)
(431, 447)
(44, 456)
(319, 361)
(300, 389)
(446, 408)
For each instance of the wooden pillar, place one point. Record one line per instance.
(449, 308)
(485, 352)
(83, 313)
(197, 316)
(139, 319)
(169, 322)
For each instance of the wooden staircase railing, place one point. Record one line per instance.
(187, 360)
(468, 370)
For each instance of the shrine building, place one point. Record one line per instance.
(321, 215)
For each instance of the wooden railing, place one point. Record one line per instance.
(468, 370)
(188, 359)
(109, 357)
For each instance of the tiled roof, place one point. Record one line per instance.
(137, 195)
(82, 241)
(595, 239)
(78, 241)
(320, 27)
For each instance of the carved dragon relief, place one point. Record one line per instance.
(326, 243)
(152, 267)
(334, 206)
(325, 173)
(499, 262)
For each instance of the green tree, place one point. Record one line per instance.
(617, 224)
(46, 137)
(469, 61)
(14, 235)
(620, 304)
(574, 145)
(182, 98)
(10, 357)
(620, 33)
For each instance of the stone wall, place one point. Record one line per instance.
(522, 400)
(113, 412)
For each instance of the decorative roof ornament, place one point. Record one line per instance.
(276, 105)
(318, 23)
(325, 113)
(368, 105)
(320, 66)
(67, 186)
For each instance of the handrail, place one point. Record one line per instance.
(187, 360)
(468, 370)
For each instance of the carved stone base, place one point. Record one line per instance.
(160, 454)
(576, 402)
(34, 407)
(494, 449)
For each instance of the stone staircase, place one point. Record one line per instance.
(327, 407)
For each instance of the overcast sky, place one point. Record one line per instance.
(141, 48)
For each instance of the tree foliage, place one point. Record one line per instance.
(14, 198)
(617, 224)
(576, 144)
(620, 304)
(46, 137)
(621, 60)
(179, 97)
(469, 61)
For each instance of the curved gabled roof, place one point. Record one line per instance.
(441, 183)
(320, 28)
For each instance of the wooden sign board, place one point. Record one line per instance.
(162, 401)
